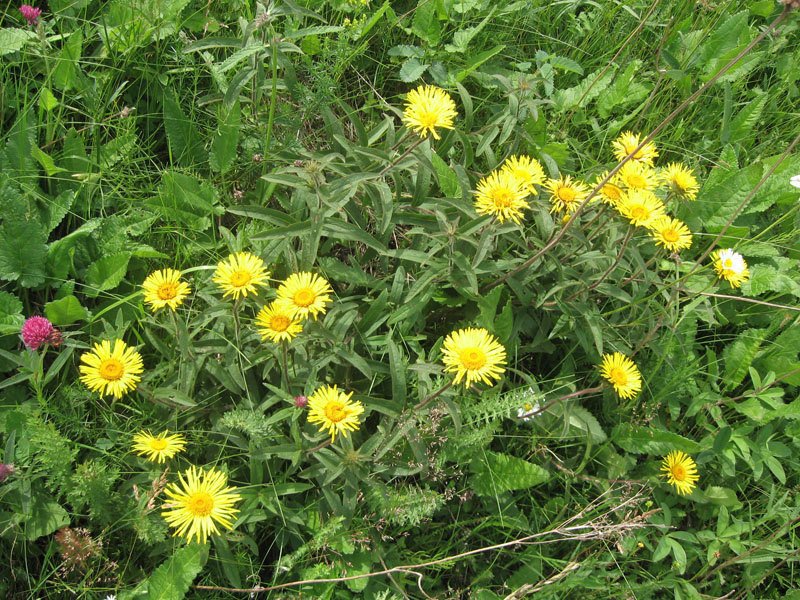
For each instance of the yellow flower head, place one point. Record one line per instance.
(566, 193)
(165, 288)
(334, 411)
(239, 275)
(731, 265)
(671, 233)
(199, 503)
(501, 194)
(638, 176)
(527, 170)
(427, 108)
(680, 471)
(474, 355)
(303, 294)
(680, 180)
(111, 371)
(159, 447)
(641, 207)
(628, 142)
(610, 193)
(623, 374)
(276, 324)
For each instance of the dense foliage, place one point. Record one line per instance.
(278, 312)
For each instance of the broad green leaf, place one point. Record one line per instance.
(500, 473)
(13, 39)
(582, 419)
(63, 75)
(22, 252)
(46, 516)
(583, 93)
(172, 579)
(186, 146)
(639, 439)
(106, 273)
(448, 181)
(65, 311)
(397, 368)
(185, 200)
(11, 318)
(426, 23)
(226, 140)
(721, 495)
(412, 70)
(739, 355)
(47, 101)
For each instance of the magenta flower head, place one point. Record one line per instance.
(30, 13)
(5, 471)
(37, 331)
(301, 401)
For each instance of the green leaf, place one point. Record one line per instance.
(47, 101)
(412, 70)
(722, 496)
(448, 181)
(638, 439)
(172, 579)
(739, 355)
(63, 75)
(106, 273)
(13, 39)
(226, 140)
(185, 200)
(426, 23)
(500, 473)
(22, 252)
(397, 368)
(741, 127)
(584, 92)
(46, 516)
(185, 143)
(582, 419)
(11, 318)
(65, 311)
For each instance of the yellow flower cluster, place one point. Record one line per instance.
(504, 192)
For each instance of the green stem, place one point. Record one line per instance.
(433, 396)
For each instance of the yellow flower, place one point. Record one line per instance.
(303, 294)
(671, 233)
(199, 503)
(566, 193)
(165, 288)
(427, 108)
(157, 448)
(731, 265)
(680, 471)
(638, 176)
(623, 374)
(641, 207)
(681, 180)
(111, 371)
(473, 354)
(610, 193)
(276, 324)
(334, 411)
(239, 274)
(627, 143)
(527, 170)
(501, 194)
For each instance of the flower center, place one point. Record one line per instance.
(428, 118)
(200, 504)
(279, 323)
(472, 359)
(240, 278)
(612, 192)
(727, 263)
(640, 212)
(682, 181)
(670, 235)
(630, 148)
(304, 297)
(618, 376)
(111, 369)
(502, 198)
(335, 411)
(527, 407)
(637, 181)
(158, 444)
(167, 291)
(566, 195)
(678, 473)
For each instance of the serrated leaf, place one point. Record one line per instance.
(739, 355)
(47, 101)
(172, 579)
(106, 273)
(185, 200)
(639, 439)
(448, 181)
(226, 140)
(766, 278)
(22, 252)
(13, 39)
(500, 473)
(585, 421)
(583, 93)
(65, 311)
(185, 143)
(46, 516)
(426, 23)
(63, 75)
(412, 70)
(11, 318)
